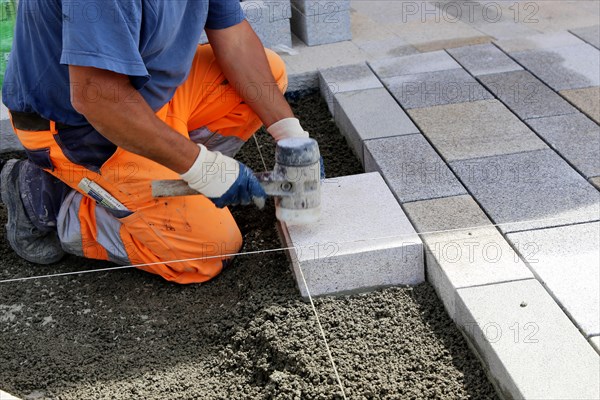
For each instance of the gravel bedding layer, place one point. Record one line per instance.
(247, 334)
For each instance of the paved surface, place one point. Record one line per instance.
(502, 178)
(505, 99)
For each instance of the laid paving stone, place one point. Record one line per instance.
(587, 100)
(476, 129)
(526, 95)
(565, 260)
(529, 190)
(413, 64)
(563, 68)
(575, 137)
(370, 114)
(436, 88)
(595, 342)
(385, 48)
(346, 78)
(596, 182)
(539, 41)
(467, 250)
(483, 59)
(355, 247)
(303, 66)
(531, 348)
(411, 168)
(590, 34)
(328, 27)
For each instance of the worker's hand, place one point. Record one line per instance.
(224, 180)
(287, 128)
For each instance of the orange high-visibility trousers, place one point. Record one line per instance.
(161, 231)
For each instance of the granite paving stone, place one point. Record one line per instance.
(322, 28)
(561, 68)
(354, 246)
(529, 190)
(575, 137)
(435, 88)
(590, 34)
(370, 114)
(526, 95)
(539, 41)
(346, 78)
(411, 168)
(595, 181)
(269, 21)
(586, 99)
(303, 68)
(476, 129)
(531, 348)
(412, 64)
(429, 34)
(483, 59)
(467, 250)
(566, 260)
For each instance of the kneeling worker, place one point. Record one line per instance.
(117, 94)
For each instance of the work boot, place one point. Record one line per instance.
(29, 242)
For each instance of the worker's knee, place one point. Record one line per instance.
(278, 69)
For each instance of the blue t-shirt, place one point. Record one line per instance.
(151, 41)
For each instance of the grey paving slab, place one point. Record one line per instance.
(535, 189)
(319, 7)
(411, 167)
(413, 64)
(436, 88)
(482, 59)
(354, 246)
(370, 114)
(526, 95)
(563, 68)
(323, 28)
(269, 21)
(586, 99)
(346, 78)
(385, 48)
(467, 250)
(567, 262)
(476, 129)
(303, 67)
(590, 34)
(539, 41)
(595, 181)
(531, 348)
(268, 10)
(575, 137)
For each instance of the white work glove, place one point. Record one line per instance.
(224, 180)
(287, 128)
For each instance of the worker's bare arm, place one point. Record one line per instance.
(117, 110)
(243, 61)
